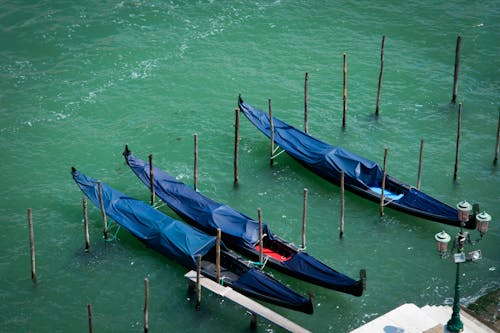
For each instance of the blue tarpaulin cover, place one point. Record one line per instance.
(193, 205)
(182, 242)
(236, 227)
(170, 237)
(360, 173)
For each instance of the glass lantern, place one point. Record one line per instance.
(464, 208)
(442, 240)
(483, 220)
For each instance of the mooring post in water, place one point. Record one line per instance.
(236, 142)
(304, 217)
(362, 277)
(380, 75)
(261, 245)
(498, 140)
(457, 67)
(151, 179)
(382, 195)
(32, 245)
(146, 304)
(253, 321)
(217, 255)
(459, 126)
(86, 225)
(420, 160)
(195, 168)
(271, 123)
(306, 107)
(344, 112)
(198, 283)
(103, 211)
(89, 317)
(342, 202)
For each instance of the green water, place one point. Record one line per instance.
(80, 81)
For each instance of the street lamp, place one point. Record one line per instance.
(442, 240)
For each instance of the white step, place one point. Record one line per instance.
(409, 318)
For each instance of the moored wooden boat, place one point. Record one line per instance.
(183, 243)
(241, 232)
(362, 176)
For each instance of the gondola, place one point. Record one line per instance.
(362, 176)
(183, 243)
(240, 232)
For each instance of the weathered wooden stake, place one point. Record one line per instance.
(342, 202)
(304, 216)
(146, 304)
(362, 277)
(89, 316)
(261, 245)
(198, 284)
(457, 67)
(271, 123)
(498, 140)
(344, 112)
(86, 225)
(217, 255)
(195, 161)
(151, 179)
(236, 142)
(420, 156)
(380, 75)
(382, 196)
(32, 245)
(306, 107)
(103, 211)
(253, 321)
(459, 126)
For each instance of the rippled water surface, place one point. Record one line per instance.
(80, 81)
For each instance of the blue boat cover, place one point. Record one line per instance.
(236, 227)
(170, 237)
(191, 204)
(328, 161)
(181, 242)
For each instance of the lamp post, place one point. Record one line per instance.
(442, 240)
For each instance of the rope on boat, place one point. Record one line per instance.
(387, 202)
(258, 263)
(112, 238)
(278, 154)
(158, 205)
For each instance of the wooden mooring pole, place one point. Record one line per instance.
(271, 123)
(89, 317)
(198, 285)
(103, 211)
(304, 217)
(344, 109)
(420, 156)
(151, 179)
(498, 140)
(195, 168)
(261, 245)
(382, 199)
(380, 76)
(306, 107)
(86, 225)
(217, 256)
(236, 142)
(32, 245)
(342, 202)
(146, 305)
(457, 150)
(457, 67)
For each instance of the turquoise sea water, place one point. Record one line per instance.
(80, 81)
